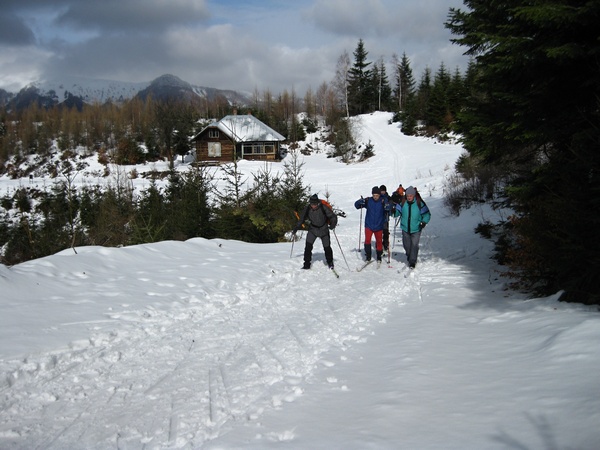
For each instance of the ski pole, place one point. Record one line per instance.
(389, 249)
(293, 239)
(341, 251)
(360, 228)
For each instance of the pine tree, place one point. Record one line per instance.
(534, 114)
(404, 88)
(423, 95)
(437, 111)
(360, 85)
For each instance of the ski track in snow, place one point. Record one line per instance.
(170, 358)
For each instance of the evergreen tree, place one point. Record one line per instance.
(534, 113)
(437, 111)
(423, 95)
(404, 89)
(360, 83)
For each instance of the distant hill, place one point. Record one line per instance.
(75, 91)
(171, 87)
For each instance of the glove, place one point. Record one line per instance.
(422, 225)
(331, 227)
(361, 204)
(387, 208)
(295, 230)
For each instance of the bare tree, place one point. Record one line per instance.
(341, 81)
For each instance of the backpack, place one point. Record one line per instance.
(325, 203)
(420, 202)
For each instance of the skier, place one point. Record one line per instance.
(414, 215)
(321, 219)
(375, 218)
(386, 225)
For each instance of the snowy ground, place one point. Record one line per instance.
(218, 344)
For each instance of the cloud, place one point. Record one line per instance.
(133, 16)
(13, 31)
(229, 44)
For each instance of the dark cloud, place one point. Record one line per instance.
(133, 15)
(13, 31)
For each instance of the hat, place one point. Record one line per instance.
(411, 190)
(383, 188)
(314, 199)
(376, 190)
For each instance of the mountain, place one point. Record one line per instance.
(75, 91)
(172, 87)
(5, 97)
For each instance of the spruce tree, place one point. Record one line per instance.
(534, 113)
(361, 92)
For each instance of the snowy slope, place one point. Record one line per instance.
(222, 344)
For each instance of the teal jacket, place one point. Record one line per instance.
(413, 215)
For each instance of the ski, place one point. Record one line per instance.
(364, 265)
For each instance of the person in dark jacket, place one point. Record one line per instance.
(414, 215)
(375, 219)
(386, 225)
(321, 219)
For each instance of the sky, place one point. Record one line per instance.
(243, 45)
(219, 344)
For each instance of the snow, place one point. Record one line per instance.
(219, 344)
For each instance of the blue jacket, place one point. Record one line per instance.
(376, 215)
(412, 215)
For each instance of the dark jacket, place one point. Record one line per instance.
(319, 219)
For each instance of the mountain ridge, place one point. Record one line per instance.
(74, 90)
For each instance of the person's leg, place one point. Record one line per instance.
(379, 243)
(326, 240)
(386, 238)
(414, 249)
(368, 237)
(406, 243)
(310, 240)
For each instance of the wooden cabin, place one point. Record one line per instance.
(239, 137)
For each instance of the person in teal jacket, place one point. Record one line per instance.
(414, 215)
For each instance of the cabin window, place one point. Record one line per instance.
(214, 149)
(258, 148)
(213, 134)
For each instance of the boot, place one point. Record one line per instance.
(329, 257)
(368, 252)
(379, 254)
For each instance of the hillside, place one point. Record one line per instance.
(212, 344)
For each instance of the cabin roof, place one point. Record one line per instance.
(246, 128)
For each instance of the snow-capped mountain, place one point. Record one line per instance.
(74, 90)
(90, 90)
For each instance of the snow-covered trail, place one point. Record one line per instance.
(453, 363)
(223, 351)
